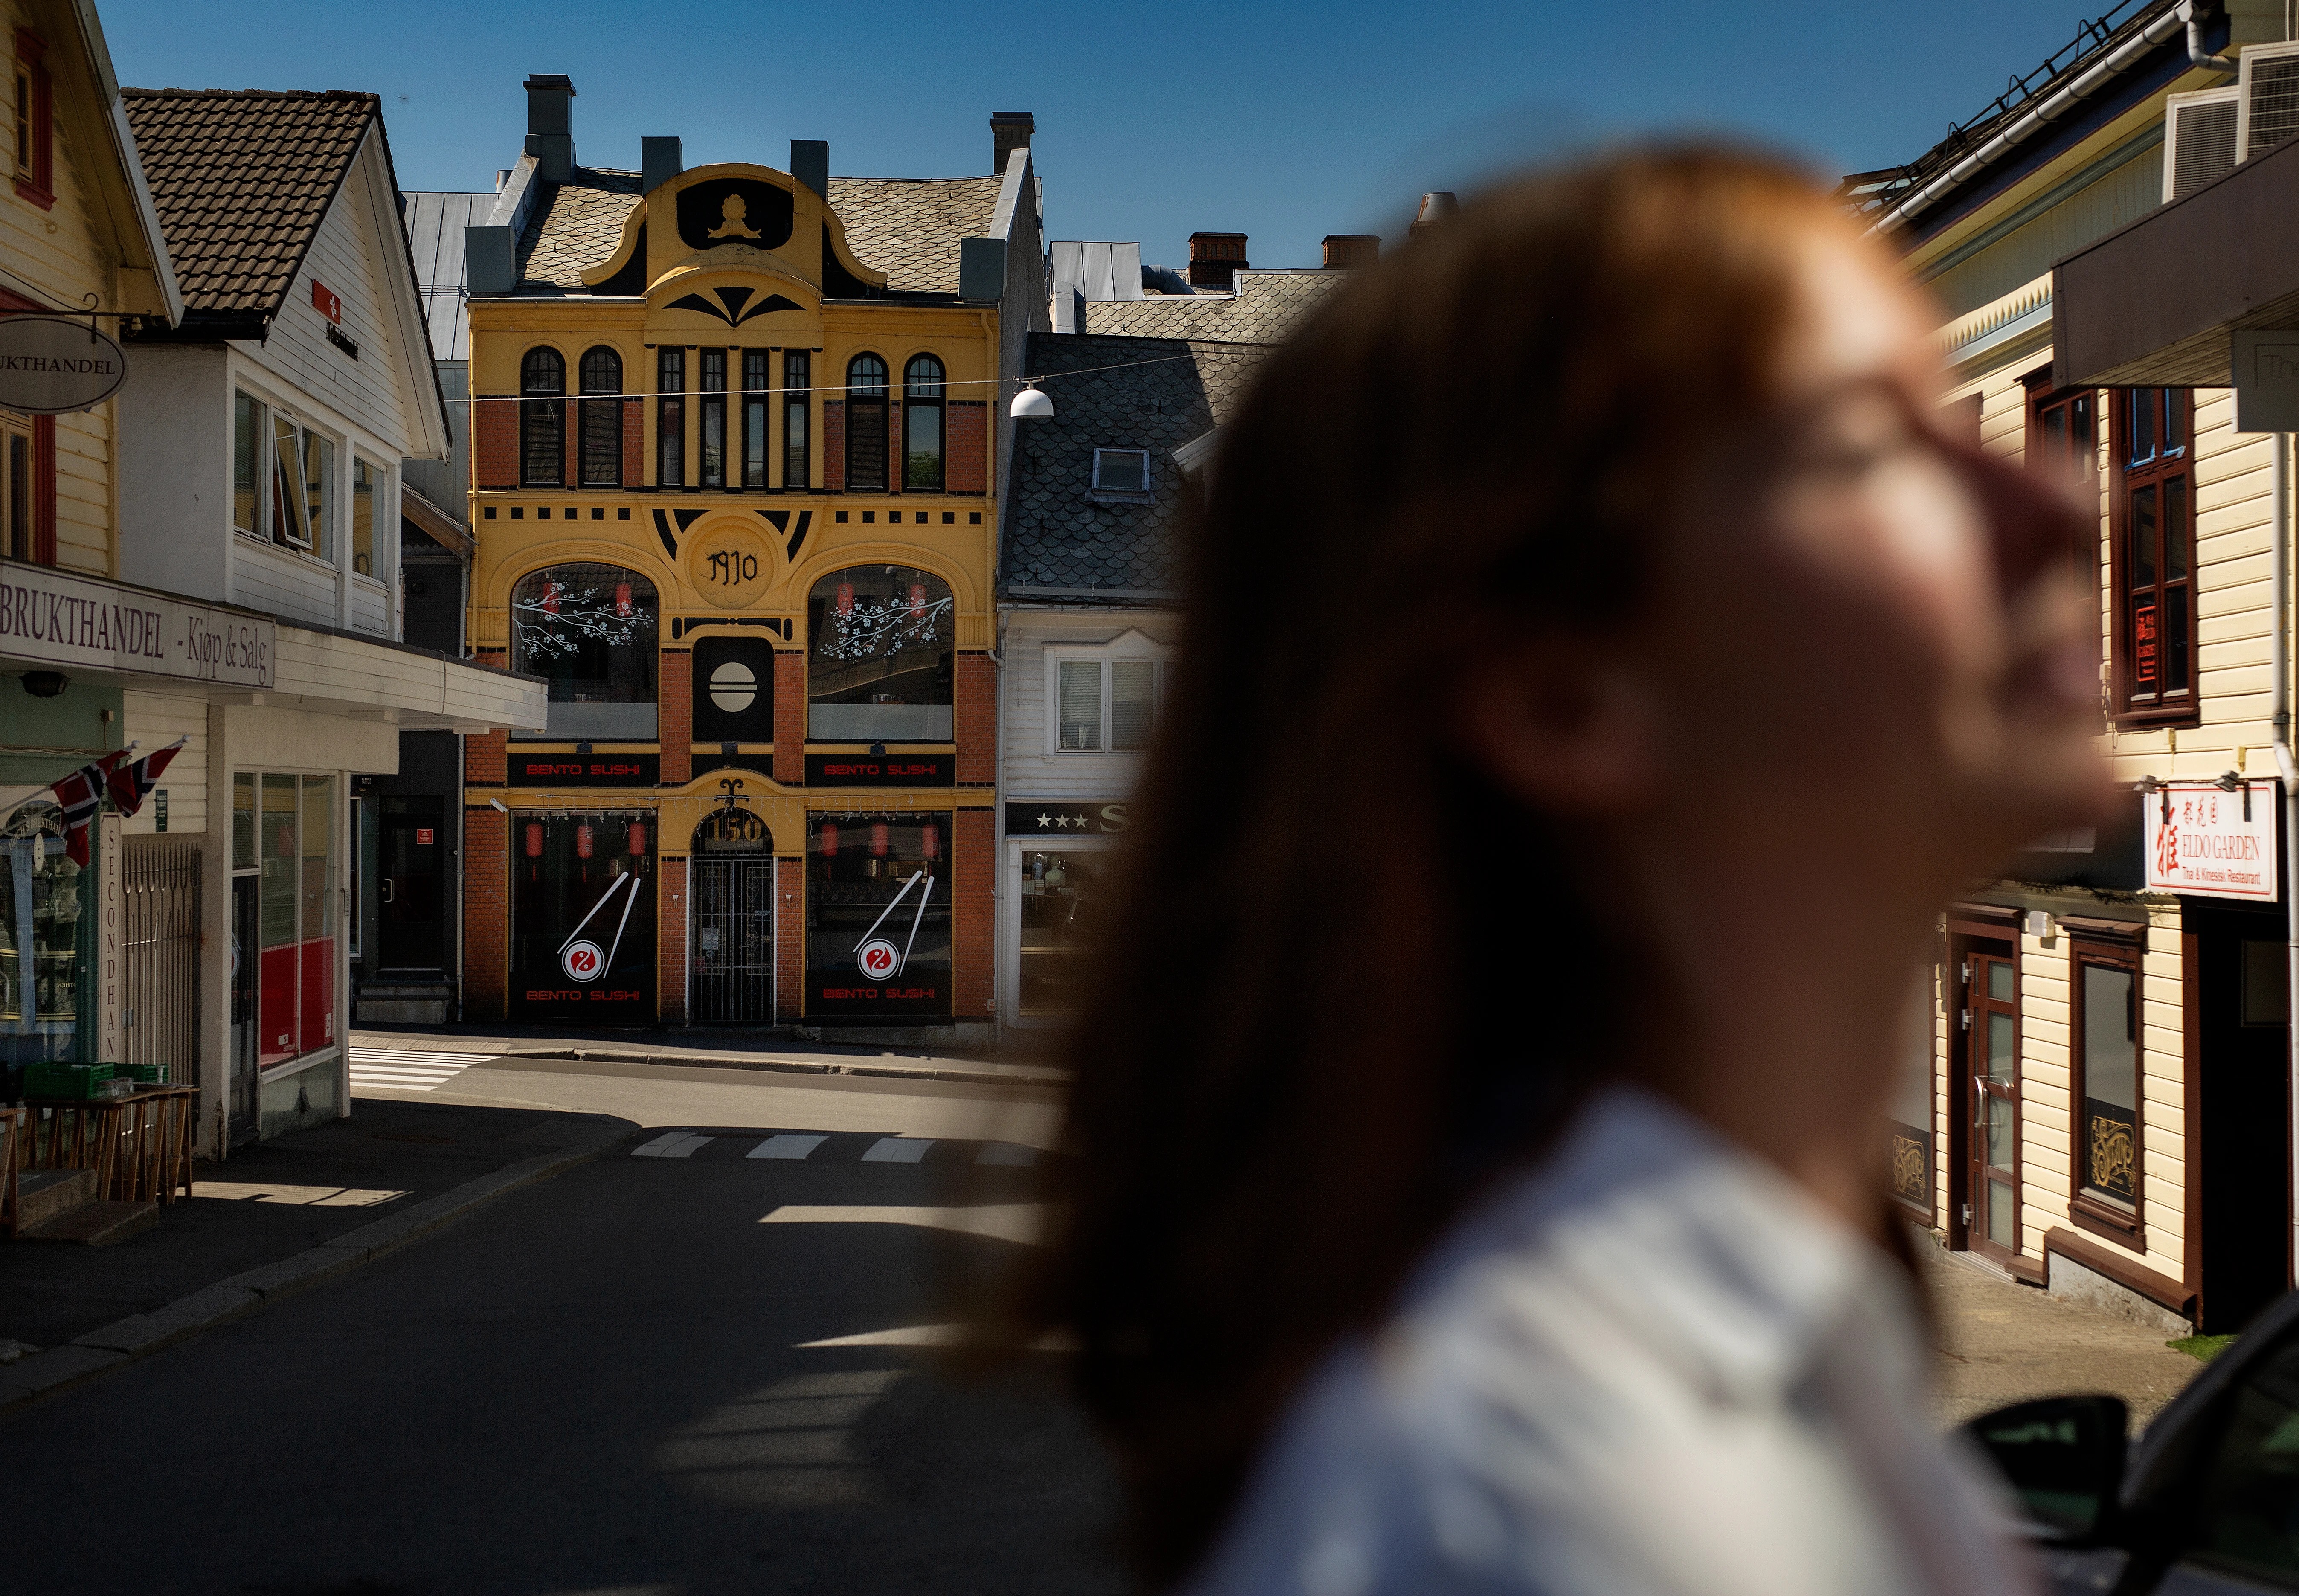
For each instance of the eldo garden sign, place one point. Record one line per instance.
(49, 366)
(2206, 842)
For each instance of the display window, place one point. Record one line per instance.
(879, 665)
(590, 632)
(291, 820)
(44, 926)
(583, 917)
(1063, 892)
(877, 914)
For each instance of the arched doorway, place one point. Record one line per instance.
(731, 941)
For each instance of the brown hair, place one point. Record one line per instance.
(1351, 981)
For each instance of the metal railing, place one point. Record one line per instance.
(160, 998)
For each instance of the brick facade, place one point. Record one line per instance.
(671, 946)
(675, 716)
(968, 459)
(974, 714)
(833, 445)
(974, 917)
(634, 442)
(486, 755)
(790, 717)
(570, 461)
(486, 911)
(494, 443)
(789, 937)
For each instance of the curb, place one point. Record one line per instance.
(59, 1369)
(971, 1077)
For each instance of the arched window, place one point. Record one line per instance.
(602, 418)
(922, 442)
(589, 631)
(542, 419)
(880, 661)
(865, 423)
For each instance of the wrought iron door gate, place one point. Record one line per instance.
(731, 941)
(160, 894)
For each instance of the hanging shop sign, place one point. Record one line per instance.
(58, 619)
(584, 770)
(2209, 842)
(881, 769)
(1026, 818)
(49, 366)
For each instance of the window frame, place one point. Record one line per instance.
(935, 390)
(2082, 409)
(378, 485)
(268, 417)
(36, 178)
(1131, 649)
(798, 395)
(880, 402)
(822, 596)
(601, 466)
(571, 728)
(20, 535)
(542, 413)
(710, 413)
(2164, 467)
(1128, 494)
(2089, 1207)
(670, 416)
(756, 392)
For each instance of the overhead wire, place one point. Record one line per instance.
(954, 382)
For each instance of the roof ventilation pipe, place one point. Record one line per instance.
(2194, 15)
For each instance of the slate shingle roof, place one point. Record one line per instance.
(1163, 392)
(1266, 309)
(242, 180)
(907, 227)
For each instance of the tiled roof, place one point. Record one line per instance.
(1266, 309)
(1153, 394)
(242, 180)
(907, 228)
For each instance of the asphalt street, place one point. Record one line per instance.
(680, 1367)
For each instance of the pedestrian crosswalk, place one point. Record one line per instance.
(798, 1147)
(408, 1069)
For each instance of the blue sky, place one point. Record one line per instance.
(1284, 122)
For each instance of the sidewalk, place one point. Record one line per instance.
(722, 1048)
(2002, 1342)
(275, 1216)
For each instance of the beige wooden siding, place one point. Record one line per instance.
(2043, 1090)
(85, 492)
(155, 720)
(289, 586)
(2125, 193)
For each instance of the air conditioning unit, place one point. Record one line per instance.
(2267, 113)
(2199, 140)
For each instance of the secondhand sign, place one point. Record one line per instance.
(2208, 843)
(48, 366)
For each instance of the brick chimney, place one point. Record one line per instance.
(1347, 250)
(1436, 210)
(1215, 259)
(1009, 130)
(551, 126)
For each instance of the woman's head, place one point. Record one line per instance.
(1593, 564)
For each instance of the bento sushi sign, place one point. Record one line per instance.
(2209, 842)
(48, 366)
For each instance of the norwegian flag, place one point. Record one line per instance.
(80, 794)
(130, 784)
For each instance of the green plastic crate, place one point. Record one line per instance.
(77, 1082)
(147, 1074)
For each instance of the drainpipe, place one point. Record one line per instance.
(2194, 15)
(2278, 665)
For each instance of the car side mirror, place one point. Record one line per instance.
(2064, 1456)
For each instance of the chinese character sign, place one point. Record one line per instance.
(2209, 842)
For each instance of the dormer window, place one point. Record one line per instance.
(1121, 472)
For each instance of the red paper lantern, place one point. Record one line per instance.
(583, 841)
(638, 839)
(623, 599)
(918, 598)
(534, 839)
(550, 598)
(846, 598)
(826, 842)
(878, 839)
(930, 841)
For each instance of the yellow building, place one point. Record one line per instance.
(736, 437)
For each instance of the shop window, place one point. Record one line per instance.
(365, 479)
(1101, 703)
(44, 937)
(1063, 896)
(712, 408)
(2063, 444)
(590, 632)
(2109, 1137)
(542, 419)
(734, 690)
(881, 662)
(922, 431)
(798, 379)
(36, 121)
(296, 951)
(878, 914)
(583, 917)
(1121, 470)
(865, 423)
(670, 417)
(2154, 633)
(601, 376)
(754, 418)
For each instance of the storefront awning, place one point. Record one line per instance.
(2157, 302)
